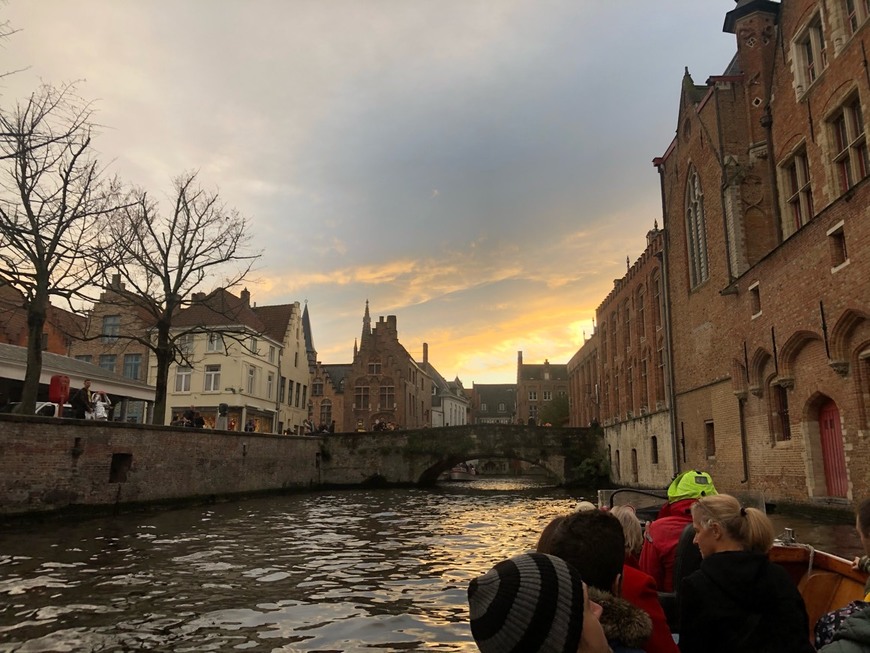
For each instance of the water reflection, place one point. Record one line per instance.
(344, 571)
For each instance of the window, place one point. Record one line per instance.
(212, 378)
(326, 412)
(271, 354)
(111, 328)
(501, 407)
(387, 397)
(533, 395)
(483, 407)
(641, 313)
(837, 246)
(374, 368)
(657, 301)
(547, 395)
(185, 343)
(304, 395)
(298, 392)
(626, 319)
(85, 358)
(132, 365)
(851, 159)
(317, 388)
(811, 56)
(251, 379)
(182, 379)
(857, 11)
(296, 359)
(782, 426)
(755, 299)
(361, 398)
(696, 231)
(270, 384)
(290, 392)
(654, 450)
(107, 362)
(710, 434)
(254, 345)
(215, 342)
(282, 388)
(799, 194)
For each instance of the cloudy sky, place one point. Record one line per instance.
(479, 168)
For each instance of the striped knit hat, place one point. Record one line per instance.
(531, 603)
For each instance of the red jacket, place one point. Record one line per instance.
(662, 536)
(639, 589)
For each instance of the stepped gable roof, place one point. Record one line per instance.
(220, 308)
(536, 372)
(692, 91)
(337, 373)
(276, 320)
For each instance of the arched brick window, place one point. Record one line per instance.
(696, 231)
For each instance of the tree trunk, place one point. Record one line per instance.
(36, 312)
(164, 355)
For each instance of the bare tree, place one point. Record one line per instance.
(54, 197)
(164, 262)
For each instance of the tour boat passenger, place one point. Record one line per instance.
(738, 600)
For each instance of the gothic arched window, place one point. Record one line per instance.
(696, 231)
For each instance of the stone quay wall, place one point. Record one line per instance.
(49, 464)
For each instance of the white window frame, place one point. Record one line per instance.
(251, 381)
(547, 395)
(797, 191)
(212, 378)
(183, 376)
(533, 395)
(810, 53)
(215, 343)
(849, 144)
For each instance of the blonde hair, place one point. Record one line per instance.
(749, 527)
(631, 527)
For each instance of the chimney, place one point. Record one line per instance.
(245, 297)
(425, 353)
(519, 358)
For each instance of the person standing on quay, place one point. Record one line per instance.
(82, 401)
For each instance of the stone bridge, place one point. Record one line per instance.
(419, 457)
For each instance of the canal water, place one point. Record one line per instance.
(345, 571)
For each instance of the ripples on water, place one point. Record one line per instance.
(346, 572)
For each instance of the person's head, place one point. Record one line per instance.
(691, 484)
(545, 541)
(591, 541)
(722, 524)
(631, 528)
(534, 603)
(87, 384)
(862, 523)
(583, 506)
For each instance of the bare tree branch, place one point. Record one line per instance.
(164, 262)
(54, 201)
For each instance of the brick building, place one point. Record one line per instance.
(619, 377)
(538, 384)
(493, 403)
(382, 384)
(766, 194)
(59, 329)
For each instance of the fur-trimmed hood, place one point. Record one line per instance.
(622, 622)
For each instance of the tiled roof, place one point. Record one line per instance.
(536, 372)
(276, 319)
(337, 373)
(220, 308)
(494, 393)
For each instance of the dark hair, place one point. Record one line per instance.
(591, 541)
(545, 541)
(863, 513)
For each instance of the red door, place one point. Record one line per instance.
(832, 450)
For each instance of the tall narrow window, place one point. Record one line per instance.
(387, 397)
(326, 412)
(111, 328)
(132, 365)
(850, 157)
(696, 231)
(182, 379)
(251, 379)
(212, 378)
(811, 53)
(799, 194)
(640, 303)
(270, 384)
(361, 397)
(837, 246)
(780, 400)
(710, 436)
